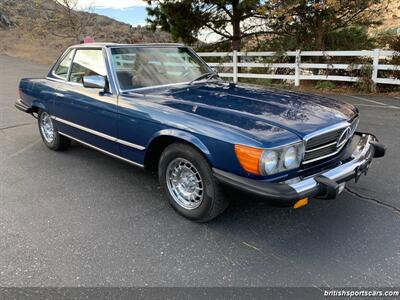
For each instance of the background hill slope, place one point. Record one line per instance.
(39, 30)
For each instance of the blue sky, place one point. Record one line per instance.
(128, 11)
(135, 15)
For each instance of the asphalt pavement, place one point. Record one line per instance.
(80, 218)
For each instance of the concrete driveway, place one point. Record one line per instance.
(79, 218)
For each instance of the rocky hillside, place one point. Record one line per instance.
(39, 30)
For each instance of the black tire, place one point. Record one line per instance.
(213, 202)
(59, 142)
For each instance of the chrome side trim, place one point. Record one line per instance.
(129, 144)
(340, 171)
(101, 150)
(64, 81)
(100, 134)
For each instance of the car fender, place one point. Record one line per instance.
(186, 136)
(39, 104)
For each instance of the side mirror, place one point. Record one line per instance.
(94, 82)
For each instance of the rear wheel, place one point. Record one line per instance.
(186, 177)
(49, 133)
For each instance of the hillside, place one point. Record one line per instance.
(392, 17)
(35, 29)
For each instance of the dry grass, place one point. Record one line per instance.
(43, 51)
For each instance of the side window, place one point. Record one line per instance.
(87, 62)
(63, 67)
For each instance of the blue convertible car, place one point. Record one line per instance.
(161, 107)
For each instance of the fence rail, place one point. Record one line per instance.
(299, 68)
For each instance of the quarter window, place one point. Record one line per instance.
(87, 62)
(63, 67)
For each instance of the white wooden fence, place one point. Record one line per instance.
(300, 69)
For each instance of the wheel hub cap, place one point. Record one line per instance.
(47, 128)
(184, 183)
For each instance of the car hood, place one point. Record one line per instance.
(249, 107)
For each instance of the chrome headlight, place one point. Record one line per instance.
(269, 161)
(281, 159)
(290, 158)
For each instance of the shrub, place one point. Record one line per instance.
(325, 85)
(365, 83)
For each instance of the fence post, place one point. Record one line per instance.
(375, 63)
(297, 69)
(235, 67)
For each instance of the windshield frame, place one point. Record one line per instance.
(114, 73)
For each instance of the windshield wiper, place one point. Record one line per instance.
(212, 76)
(207, 75)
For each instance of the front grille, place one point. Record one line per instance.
(323, 145)
(324, 139)
(330, 148)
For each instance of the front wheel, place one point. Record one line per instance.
(49, 133)
(186, 177)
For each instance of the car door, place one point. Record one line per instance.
(87, 114)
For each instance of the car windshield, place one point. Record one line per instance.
(138, 67)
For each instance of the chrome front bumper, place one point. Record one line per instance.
(325, 185)
(361, 159)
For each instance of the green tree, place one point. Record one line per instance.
(305, 24)
(321, 24)
(232, 20)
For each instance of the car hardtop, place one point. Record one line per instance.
(109, 45)
(116, 45)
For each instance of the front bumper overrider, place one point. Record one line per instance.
(324, 185)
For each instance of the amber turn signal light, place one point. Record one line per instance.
(249, 158)
(300, 203)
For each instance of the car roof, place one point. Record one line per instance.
(89, 45)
